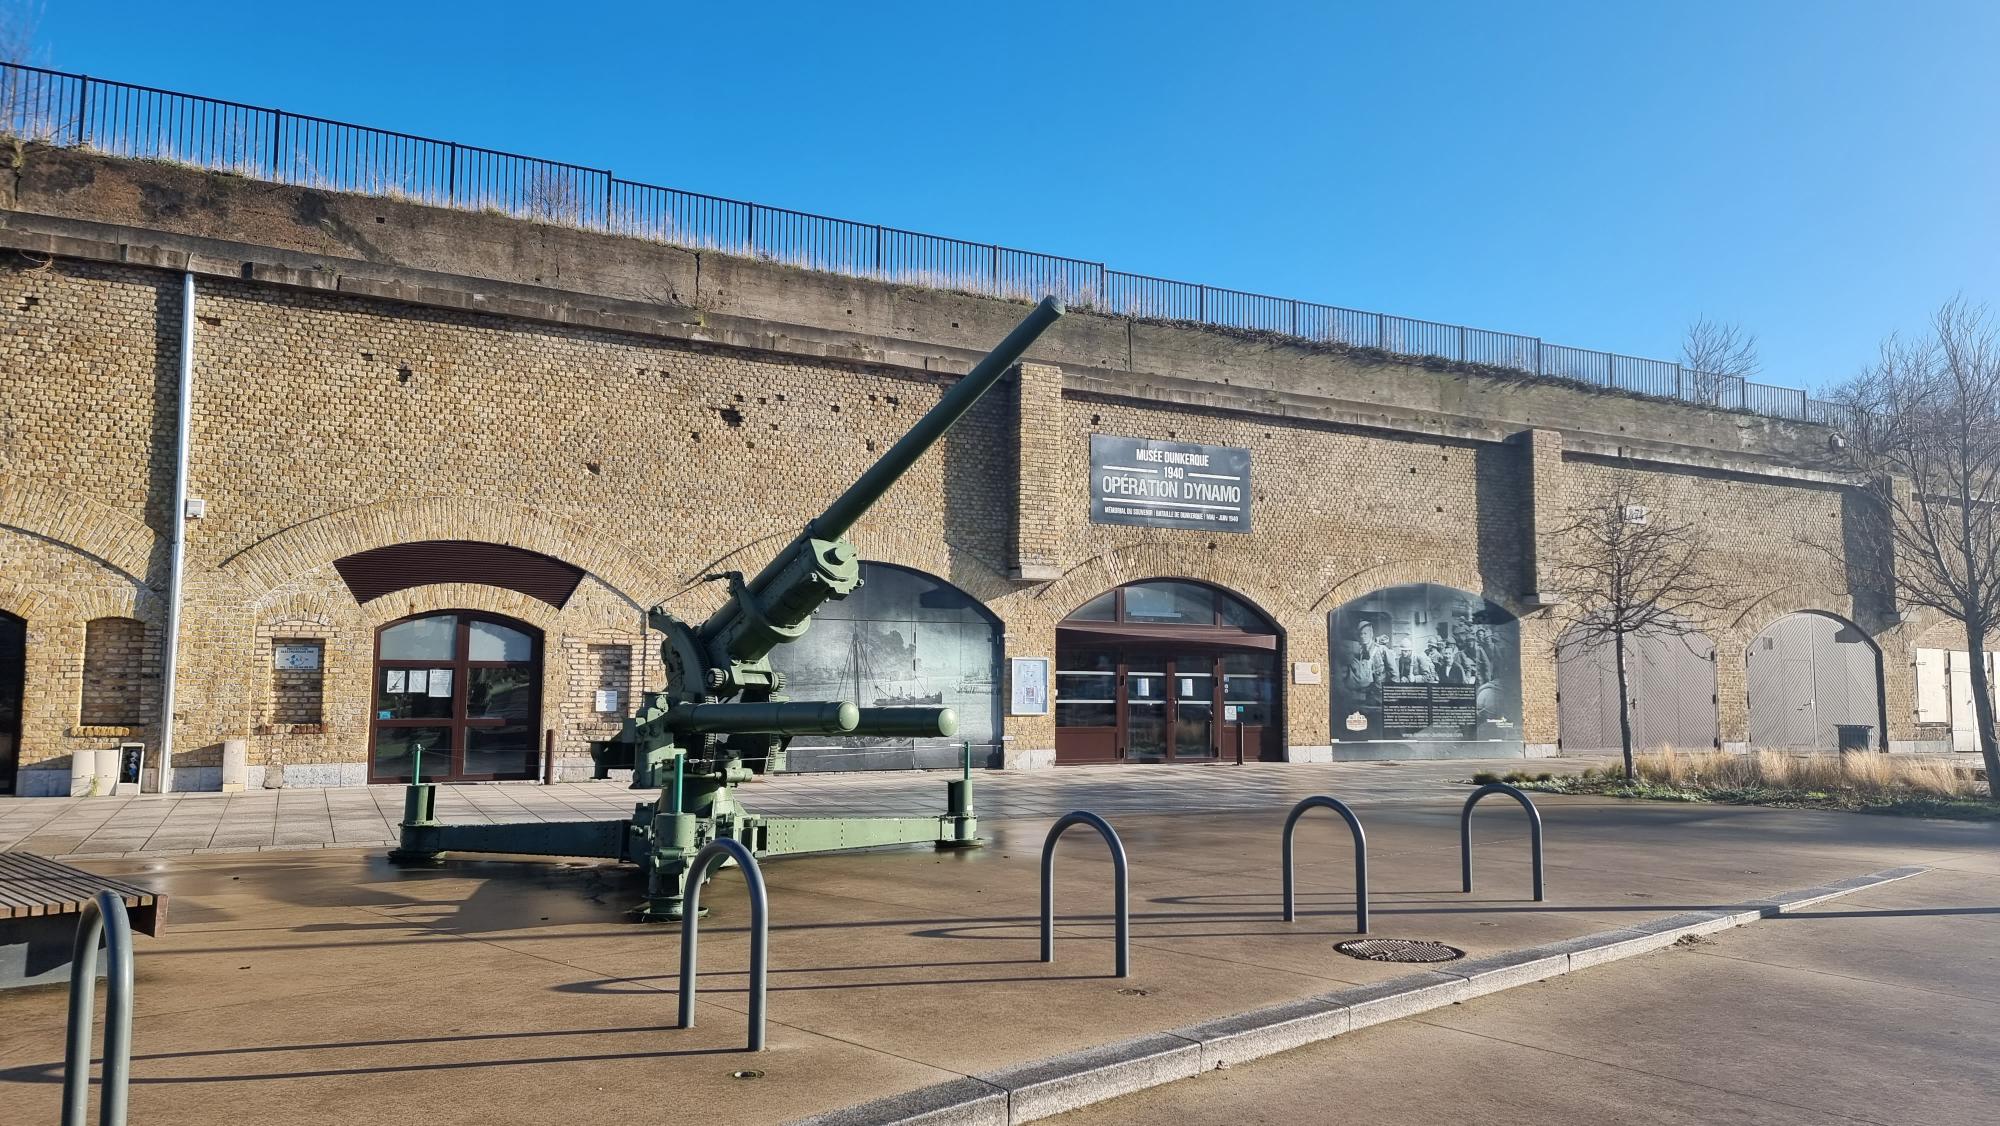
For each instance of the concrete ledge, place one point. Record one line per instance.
(1041, 1088)
(1267, 1031)
(1516, 967)
(1399, 997)
(1045, 1087)
(1701, 922)
(960, 1102)
(1792, 901)
(1611, 946)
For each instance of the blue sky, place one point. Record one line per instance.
(1596, 174)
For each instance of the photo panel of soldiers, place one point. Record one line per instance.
(904, 639)
(1425, 663)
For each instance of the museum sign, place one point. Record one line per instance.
(1155, 484)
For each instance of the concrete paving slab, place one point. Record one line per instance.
(904, 954)
(1789, 1033)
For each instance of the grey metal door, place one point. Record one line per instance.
(1809, 675)
(1676, 699)
(1672, 688)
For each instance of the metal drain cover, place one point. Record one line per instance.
(1398, 950)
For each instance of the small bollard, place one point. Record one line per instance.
(103, 918)
(1321, 801)
(760, 929)
(1120, 894)
(1534, 831)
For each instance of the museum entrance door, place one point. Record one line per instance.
(1166, 671)
(466, 687)
(13, 689)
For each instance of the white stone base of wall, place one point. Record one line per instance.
(1410, 752)
(1309, 754)
(1027, 758)
(42, 783)
(1541, 750)
(196, 779)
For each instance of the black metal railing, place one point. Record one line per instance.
(145, 123)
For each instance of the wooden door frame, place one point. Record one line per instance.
(10, 771)
(461, 664)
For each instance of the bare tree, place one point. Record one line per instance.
(1625, 569)
(1715, 357)
(1927, 416)
(17, 41)
(17, 29)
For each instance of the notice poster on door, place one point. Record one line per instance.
(396, 681)
(1425, 663)
(440, 683)
(413, 680)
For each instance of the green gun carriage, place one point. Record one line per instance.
(722, 718)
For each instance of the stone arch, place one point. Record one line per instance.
(1946, 633)
(1152, 559)
(86, 526)
(308, 546)
(24, 601)
(1403, 572)
(1757, 615)
(1270, 620)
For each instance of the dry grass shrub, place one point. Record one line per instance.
(1860, 774)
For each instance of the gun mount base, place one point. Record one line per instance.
(663, 845)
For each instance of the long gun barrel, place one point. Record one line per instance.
(869, 487)
(815, 566)
(809, 718)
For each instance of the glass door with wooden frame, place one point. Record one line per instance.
(465, 687)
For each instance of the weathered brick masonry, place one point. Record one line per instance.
(370, 373)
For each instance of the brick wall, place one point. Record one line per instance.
(326, 424)
(121, 668)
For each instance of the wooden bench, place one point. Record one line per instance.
(40, 900)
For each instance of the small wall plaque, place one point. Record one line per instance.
(1030, 679)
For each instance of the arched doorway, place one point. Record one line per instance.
(1671, 683)
(1424, 671)
(1810, 675)
(904, 639)
(1167, 670)
(467, 687)
(13, 689)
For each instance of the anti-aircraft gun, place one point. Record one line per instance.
(723, 717)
